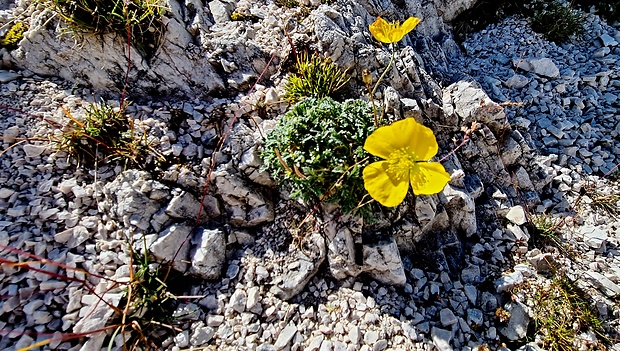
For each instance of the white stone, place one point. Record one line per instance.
(508, 281)
(594, 236)
(608, 287)
(516, 328)
(382, 262)
(516, 215)
(33, 151)
(207, 257)
(173, 245)
(517, 81)
(201, 335)
(238, 300)
(285, 336)
(543, 67)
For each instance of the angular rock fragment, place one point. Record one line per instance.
(382, 261)
(172, 245)
(208, 256)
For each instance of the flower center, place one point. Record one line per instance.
(401, 163)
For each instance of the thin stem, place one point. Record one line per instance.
(463, 142)
(372, 93)
(385, 71)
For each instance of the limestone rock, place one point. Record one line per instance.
(129, 198)
(516, 328)
(97, 313)
(185, 206)
(341, 251)
(517, 81)
(516, 215)
(382, 261)
(208, 256)
(294, 280)
(461, 209)
(173, 245)
(543, 67)
(464, 102)
(247, 207)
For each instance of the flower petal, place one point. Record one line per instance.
(428, 178)
(401, 134)
(409, 24)
(380, 29)
(388, 189)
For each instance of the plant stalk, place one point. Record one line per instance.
(372, 93)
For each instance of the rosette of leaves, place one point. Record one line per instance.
(317, 150)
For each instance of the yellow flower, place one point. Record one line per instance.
(405, 145)
(392, 32)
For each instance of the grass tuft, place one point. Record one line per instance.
(140, 18)
(315, 77)
(148, 306)
(562, 312)
(105, 134)
(556, 21)
(608, 202)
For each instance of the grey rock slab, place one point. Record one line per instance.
(461, 209)
(184, 206)
(6, 76)
(471, 275)
(97, 314)
(604, 284)
(441, 339)
(544, 67)
(447, 317)
(247, 207)
(201, 335)
(516, 328)
(471, 292)
(517, 81)
(382, 261)
(594, 236)
(125, 198)
(341, 251)
(464, 102)
(308, 262)
(173, 245)
(208, 256)
(608, 40)
(285, 336)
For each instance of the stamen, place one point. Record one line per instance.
(401, 162)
